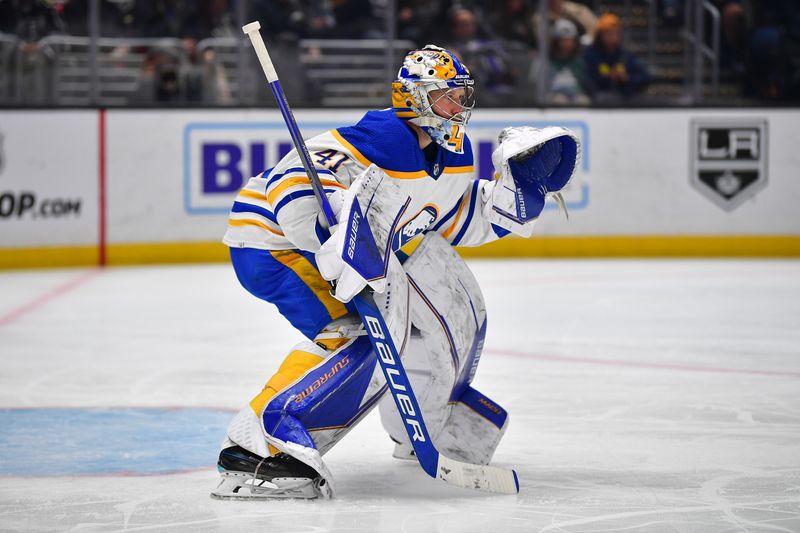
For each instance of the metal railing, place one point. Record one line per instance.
(125, 70)
(9, 50)
(697, 52)
(77, 71)
(350, 72)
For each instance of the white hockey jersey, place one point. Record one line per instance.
(277, 209)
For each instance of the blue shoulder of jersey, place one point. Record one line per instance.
(382, 138)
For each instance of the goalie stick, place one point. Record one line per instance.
(436, 465)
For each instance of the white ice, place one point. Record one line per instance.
(656, 396)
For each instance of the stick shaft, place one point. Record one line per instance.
(251, 30)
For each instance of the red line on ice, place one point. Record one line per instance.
(634, 364)
(47, 297)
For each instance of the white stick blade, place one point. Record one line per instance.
(478, 477)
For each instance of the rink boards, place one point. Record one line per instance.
(147, 186)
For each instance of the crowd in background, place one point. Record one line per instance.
(589, 58)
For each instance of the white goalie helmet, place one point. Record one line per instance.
(428, 76)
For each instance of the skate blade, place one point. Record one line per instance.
(244, 487)
(404, 452)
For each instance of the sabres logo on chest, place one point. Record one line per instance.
(414, 227)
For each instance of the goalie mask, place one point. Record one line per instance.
(431, 79)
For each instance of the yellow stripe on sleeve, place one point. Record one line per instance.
(255, 195)
(449, 230)
(300, 180)
(238, 222)
(311, 277)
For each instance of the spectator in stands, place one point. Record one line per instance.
(514, 21)
(568, 80)
(29, 20)
(416, 18)
(345, 19)
(321, 21)
(184, 18)
(216, 19)
(488, 60)
(159, 80)
(671, 11)
(202, 78)
(580, 15)
(771, 75)
(463, 27)
(614, 73)
(281, 19)
(117, 19)
(168, 18)
(734, 34)
(761, 42)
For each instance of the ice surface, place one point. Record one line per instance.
(644, 396)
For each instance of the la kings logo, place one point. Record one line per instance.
(729, 159)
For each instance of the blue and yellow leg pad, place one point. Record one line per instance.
(328, 400)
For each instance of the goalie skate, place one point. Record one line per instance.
(404, 451)
(246, 476)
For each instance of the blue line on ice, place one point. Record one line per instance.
(95, 441)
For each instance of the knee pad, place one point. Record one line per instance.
(246, 428)
(318, 409)
(336, 375)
